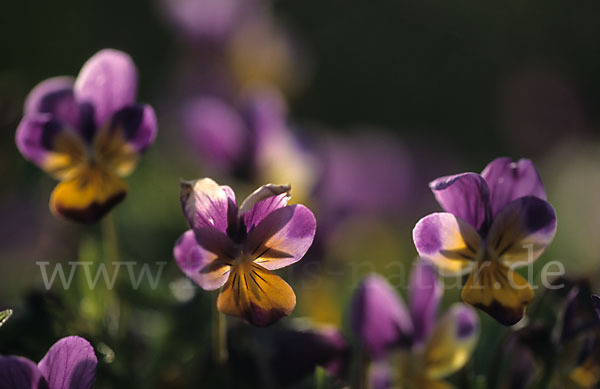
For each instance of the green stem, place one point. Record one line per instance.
(111, 257)
(219, 337)
(363, 371)
(111, 243)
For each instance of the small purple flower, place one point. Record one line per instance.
(494, 222)
(431, 349)
(70, 363)
(88, 133)
(237, 248)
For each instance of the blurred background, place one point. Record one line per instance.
(357, 104)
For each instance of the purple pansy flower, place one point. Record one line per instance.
(493, 223)
(87, 132)
(237, 248)
(427, 349)
(70, 363)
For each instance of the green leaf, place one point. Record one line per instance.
(4, 315)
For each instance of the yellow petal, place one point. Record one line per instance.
(67, 156)
(256, 295)
(88, 196)
(113, 152)
(499, 291)
(452, 342)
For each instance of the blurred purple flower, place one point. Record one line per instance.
(377, 168)
(88, 133)
(382, 323)
(70, 363)
(237, 248)
(493, 222)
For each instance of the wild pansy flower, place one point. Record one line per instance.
(70, 363)
(237, 248)
(422, 350)
(251, 140)
(493, 223)
(87, 133)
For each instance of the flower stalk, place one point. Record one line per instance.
(219, 327)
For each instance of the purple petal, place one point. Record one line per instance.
(596, 304)
(20, 373)
(510, 180)
(283, 237)
(138, 125)
(208, 205)
(425, 294)
(50, 145)
(522, 230)
(464, 195)
(70, 363)
(200, 265)
(448, 242)
(380, 376)
(54, 96)
(262, 202)
(108, 80)
(266, 111)
(378, 316)
(217, 131)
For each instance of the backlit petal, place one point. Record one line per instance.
(20, 373)
(90, 195)
(200, 265)
(522, 230)
(118, 146)
(452, 342)
(283, 237)
(108, 80)
(70, 363)
(464, 195)
(260, 203)
(425, 294)
(255, 294)
(509, 180)
(55, 97)
(50, 145)
(499, 291)
(448, 242)
(379, 317)
(208, 205)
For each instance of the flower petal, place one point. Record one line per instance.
(50, 145)
(108, 80)
(218, 132)
(283, 237)
(256, 295)
(464, 195)
(90, 195)
(20, 373)
(425, 294)
(499, 291)
(70, 363)
(510, 180)
(200, 265)
(260, 203)
(119, 145)
(379, 317)
(448, 242)
(522, 230)
(208, 205)
(55, 97)
(452, 342)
